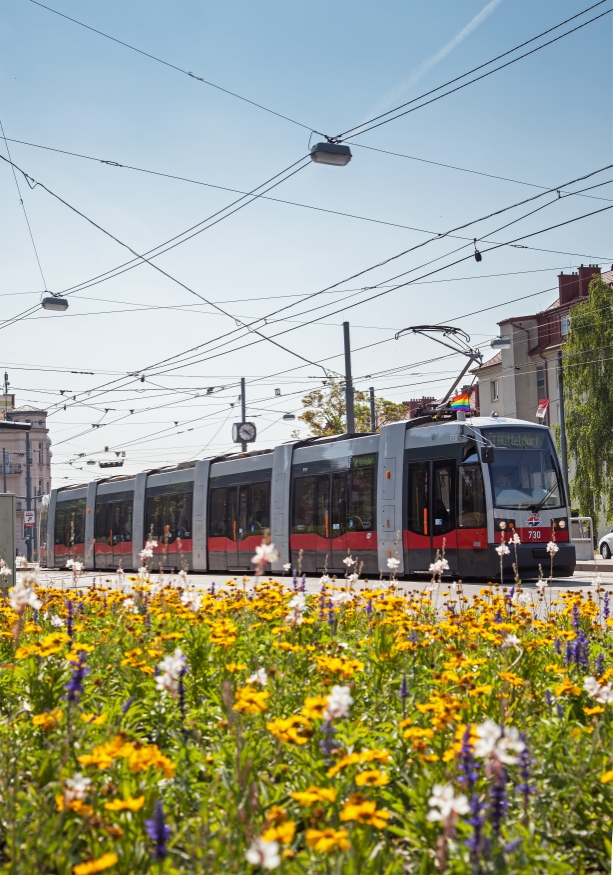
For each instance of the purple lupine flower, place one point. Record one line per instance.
(569, 652)
(74, 687)
(322, 607)
(125, 708)
(581, 646)
(158, 831)
(525, 761)
(559, 710)
(512, 846)
(498, 616)
(69, 618)
(575, 618)
(605, 607)
(303, 583)
(404, 689)
(369, 608)
(549, 698)
(212, 589)
(331, 620)
(599, 665)
(326, 744)
(557, 646)
(468, 777)
(181, 692)
(295, 580)
(500, 801)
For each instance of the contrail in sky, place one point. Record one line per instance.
(397, 92)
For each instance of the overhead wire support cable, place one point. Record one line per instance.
(358, 130)
(178, 69)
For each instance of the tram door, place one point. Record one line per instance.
(431, 517)
(239, 550)
(331, 521)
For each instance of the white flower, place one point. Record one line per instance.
(444, 803)
(353, 579)
(56, 621)
(76, 787)
(264, 854)
(22, 598)
(325, 580)
(170, 669)
(76, 566)
(500, 743)
(511, 641)
(502, 550)
(393, 564)
(287, 566)
(602, 693)
(260, 677)
(192, 600)
(297, 605)
(438, 567)
(348, 561)
(26, 705)
(20, 562)
(143, 571)
(597, 582)
(552, 548)
(341, 597)
(5, 571)
(146, 553)
(339, 703)
(522, 598)
(265, 553)
(183, 576)
(515, 539)
(130, 605)
(541, 585)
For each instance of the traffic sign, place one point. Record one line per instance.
(29, 520)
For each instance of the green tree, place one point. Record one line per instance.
(325, 410)
(588, 396)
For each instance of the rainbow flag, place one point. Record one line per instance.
(460, 402)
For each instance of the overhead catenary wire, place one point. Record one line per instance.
(358, 130)
(177, 68)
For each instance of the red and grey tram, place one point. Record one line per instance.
(418, 488)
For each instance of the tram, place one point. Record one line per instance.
(420, 487)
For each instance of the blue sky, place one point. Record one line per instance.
(545, 120)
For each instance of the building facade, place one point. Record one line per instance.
(13, 466)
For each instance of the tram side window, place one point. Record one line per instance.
(218, 513)
(471, 494)
(361, 516)
(70, 522)
(258, 519)
(154, 526)
(418, 498)
(122, 522)
(304, 505)
(103, 526)
(339, 504)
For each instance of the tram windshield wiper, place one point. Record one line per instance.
(536, 507)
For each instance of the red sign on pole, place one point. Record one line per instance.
(541, 412)
(28, 519)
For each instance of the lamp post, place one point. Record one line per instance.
(563, 451)
(349, 411)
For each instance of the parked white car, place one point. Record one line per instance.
(605, 545)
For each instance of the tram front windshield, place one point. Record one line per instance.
(524, 473)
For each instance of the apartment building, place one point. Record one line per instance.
(13, 468)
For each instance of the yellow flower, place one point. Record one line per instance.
(251, 701)
(129, 804)
(93, 866)
(314, 795)
(567, 686)
(295, 729)
(314, 707)
(372, 778)
(235, 666)
(275, 815)
(98, 720)
(139, 758)
(364, 811)
(608, 776)
(366, 756)
(48, 720)
(418, 732)
(327, 839)
(223, 632)
(76, 805)
(340, 665)
(597, 709)
(283, 833)
(511, 678)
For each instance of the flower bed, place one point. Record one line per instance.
(175, 731)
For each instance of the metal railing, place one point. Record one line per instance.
(11, 468)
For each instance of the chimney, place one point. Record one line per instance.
(585, 277)
(568, 284)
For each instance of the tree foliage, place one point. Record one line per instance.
(588, 395)
(325, 410)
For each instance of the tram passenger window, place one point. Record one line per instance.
(218, 513)
(259, 508)
(154, 524)
(361, 515)
(179, 516)
(125, 534)
(471, 495)
(102, 528)
(58, 535)
(243, 502)
(418, 498)
(339, 505)
(442, 505)
(303, 520)
(322, 506)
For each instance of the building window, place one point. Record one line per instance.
(40, 454)
(494, 390)
(541, 383)
(564, 325)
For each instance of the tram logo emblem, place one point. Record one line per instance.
(533, 520)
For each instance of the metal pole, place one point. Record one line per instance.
(28, 497)
(4, 467)
(243, 410)
(563, 450)
(349, 411)
(373, 420)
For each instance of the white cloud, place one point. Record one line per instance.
(395, 94)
